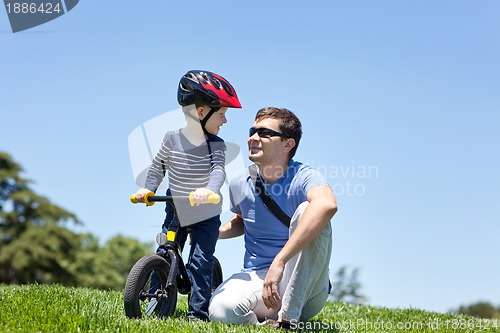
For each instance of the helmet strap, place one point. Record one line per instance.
(203, 121)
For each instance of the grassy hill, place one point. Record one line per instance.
(53, 308)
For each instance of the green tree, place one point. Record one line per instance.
(83, 267)
(346, 286)
(480, 309)
(107, 267)
(34, 245)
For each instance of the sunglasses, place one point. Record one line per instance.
(264, 132)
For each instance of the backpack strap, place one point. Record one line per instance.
(266, 198)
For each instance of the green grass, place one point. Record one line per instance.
(53, 308)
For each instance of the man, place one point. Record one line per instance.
(285, 276)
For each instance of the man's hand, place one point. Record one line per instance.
(270, 294)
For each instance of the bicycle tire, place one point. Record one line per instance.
(145, 291)
(216, 274)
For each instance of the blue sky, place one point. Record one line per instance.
(406, 89)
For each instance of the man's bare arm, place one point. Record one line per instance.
(233, 228)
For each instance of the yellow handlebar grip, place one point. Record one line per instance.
(133, 199)
(212, 198)
(146, 201)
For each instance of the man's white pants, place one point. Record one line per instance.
(303, 289)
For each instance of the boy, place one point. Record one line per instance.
(194, 157)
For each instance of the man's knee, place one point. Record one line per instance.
(219, 312)
(229, 310)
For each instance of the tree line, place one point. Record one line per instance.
(36, 245)
(480, 309)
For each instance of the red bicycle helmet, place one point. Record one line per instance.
(203, 87)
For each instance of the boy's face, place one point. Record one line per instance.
(216, 120)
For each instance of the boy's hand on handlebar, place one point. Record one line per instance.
(141, 193)
(201, 195)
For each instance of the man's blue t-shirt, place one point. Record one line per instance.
(265, 235)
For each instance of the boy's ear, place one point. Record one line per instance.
(200, 111)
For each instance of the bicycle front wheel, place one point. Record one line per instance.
(145, 290)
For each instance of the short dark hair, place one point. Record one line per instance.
(290, 124)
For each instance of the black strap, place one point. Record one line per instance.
(266, 198)
(203, 121)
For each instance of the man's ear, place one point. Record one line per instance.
(290, 143)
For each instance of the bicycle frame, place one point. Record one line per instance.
(172, 250)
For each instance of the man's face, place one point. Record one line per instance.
(265, 146)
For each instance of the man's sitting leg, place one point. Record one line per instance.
(305, 279)
(239, 300)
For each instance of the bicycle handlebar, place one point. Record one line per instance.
(150, 199)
